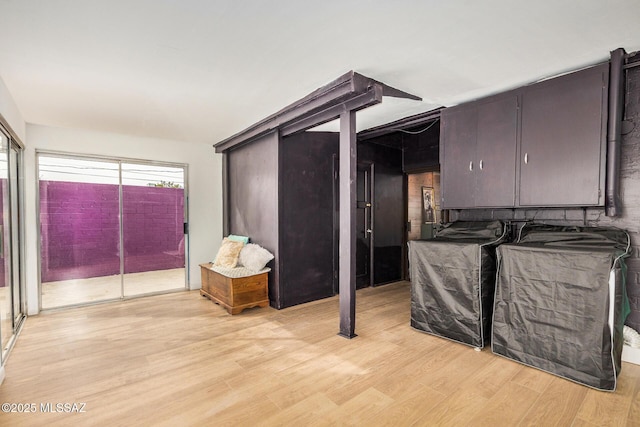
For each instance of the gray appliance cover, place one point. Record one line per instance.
(560, 302)
(453, 279)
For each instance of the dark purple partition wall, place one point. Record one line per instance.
(80, 229)
(254, 202)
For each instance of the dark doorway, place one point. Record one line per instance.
(386, 215)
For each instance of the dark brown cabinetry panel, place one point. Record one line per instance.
(559, 152)
(496, 152)
(458, 152)
(563, 140)
(479, 154)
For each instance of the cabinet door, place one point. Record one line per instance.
(458, 157)
(563, 140)
(496, 152)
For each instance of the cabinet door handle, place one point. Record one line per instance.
(526, 158)
(471, 166)
(480, 164)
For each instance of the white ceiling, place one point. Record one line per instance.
(202, 70)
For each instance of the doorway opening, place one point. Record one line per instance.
(109, 229)
(423, 205)
(407, 188)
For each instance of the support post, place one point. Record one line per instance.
(347, 240)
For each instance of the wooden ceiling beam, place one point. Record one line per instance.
(371, 97)
(340, 94)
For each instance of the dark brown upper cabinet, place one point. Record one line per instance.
(563, 147)
(478, 154)
(542, 145)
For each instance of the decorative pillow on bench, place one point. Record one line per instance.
(228, 253)
(255, 257)
(235, 238)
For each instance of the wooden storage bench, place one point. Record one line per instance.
(235, 289)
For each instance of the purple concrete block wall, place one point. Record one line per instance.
(80, 229)
(153, 228)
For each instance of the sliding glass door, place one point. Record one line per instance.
(153, 228)
(109, 229)
(11, 283)
(17, 296)
(79, 230)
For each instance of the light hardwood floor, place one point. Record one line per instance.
(178, 359)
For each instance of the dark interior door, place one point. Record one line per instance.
(364, 225)
(387, 212)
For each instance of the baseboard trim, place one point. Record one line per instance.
(631, 355)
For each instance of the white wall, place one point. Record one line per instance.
(204, 185)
